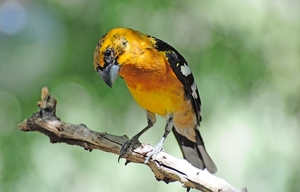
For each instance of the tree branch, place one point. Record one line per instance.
(165, 167)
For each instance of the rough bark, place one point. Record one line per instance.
(165, 167)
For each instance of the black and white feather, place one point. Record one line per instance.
(184, 74)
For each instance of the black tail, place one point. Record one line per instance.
(195, 153)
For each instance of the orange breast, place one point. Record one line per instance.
(156, 88)
(153, 85)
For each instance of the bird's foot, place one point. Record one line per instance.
(155, 151)
(128, 145)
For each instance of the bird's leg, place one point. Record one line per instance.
(131, 142)
(158, 148)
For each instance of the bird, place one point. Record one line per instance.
(161, 82)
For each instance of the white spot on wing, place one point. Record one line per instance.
(194, 93)
(185, 70)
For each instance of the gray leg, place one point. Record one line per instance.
(158, 147)
(131, 142)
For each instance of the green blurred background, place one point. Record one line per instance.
(245, 56)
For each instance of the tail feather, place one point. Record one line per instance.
(195, 153)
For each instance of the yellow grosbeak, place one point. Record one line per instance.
(161, 82)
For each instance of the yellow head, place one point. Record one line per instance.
(115, 49)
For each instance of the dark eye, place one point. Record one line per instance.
(107, 52)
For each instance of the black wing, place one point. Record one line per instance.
(182, 71)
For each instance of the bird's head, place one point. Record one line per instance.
(113, 51)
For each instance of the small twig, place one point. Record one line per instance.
(165, 167)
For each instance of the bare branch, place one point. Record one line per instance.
(165, 167)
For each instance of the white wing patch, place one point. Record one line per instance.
(194, 93)
(185, 70)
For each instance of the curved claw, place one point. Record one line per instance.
(156, 150)
(128, 145)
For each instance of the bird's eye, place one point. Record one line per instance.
(107, 52)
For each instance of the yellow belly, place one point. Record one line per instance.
(153, 83)
(165, 100)
(162, 94)
(160, 100)
(155, 87)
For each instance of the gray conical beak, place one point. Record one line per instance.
(109, 74)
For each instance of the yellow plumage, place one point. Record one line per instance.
(160, 81)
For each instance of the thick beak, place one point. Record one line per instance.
(109, 74)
